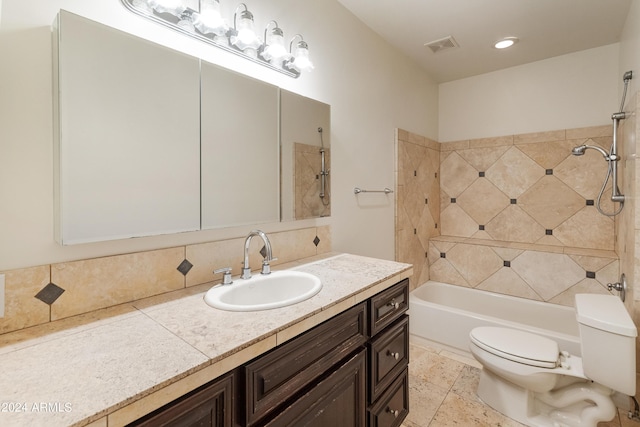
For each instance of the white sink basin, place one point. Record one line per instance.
(262, 292)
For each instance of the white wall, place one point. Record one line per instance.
(371, 88)
(569, 91)
(630, 49)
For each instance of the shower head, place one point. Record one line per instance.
(580, 149)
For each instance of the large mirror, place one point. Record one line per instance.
(305, 157)
(127, 140)
(150, 141)
(239, 138)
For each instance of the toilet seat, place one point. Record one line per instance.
(517, 346)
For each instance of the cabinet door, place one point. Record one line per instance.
(209, 406)
(128, 139)
(337, 401)
(274, 378)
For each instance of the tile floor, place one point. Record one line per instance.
(442, 393)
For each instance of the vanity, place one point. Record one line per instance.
(338, 358)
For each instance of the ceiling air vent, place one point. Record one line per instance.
(442, 44)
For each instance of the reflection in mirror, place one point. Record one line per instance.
(305, 129)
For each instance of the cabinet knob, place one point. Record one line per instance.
(393, 412)
(394, 304)
(394, 355)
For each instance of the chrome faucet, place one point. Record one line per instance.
(268, 257)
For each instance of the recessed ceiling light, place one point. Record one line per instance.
(505, 42)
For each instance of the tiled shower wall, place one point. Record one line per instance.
(307, 169)
(517, 214)
(417, 201)
(45, 293)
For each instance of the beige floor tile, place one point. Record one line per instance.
(458, 411)
(424, 400)
(436, 369)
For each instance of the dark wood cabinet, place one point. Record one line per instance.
(388, 351)
(207, 406)
(337, 400)
(393, 406)
(276, 376)
(349, 371)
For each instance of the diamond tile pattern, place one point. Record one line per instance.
(511, 214)
(514, 172)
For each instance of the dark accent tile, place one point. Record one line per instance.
(263, 252)
(591, 274)
(184, 267)
(436, 174)
(415, 231)
(443, 255)
(316, 241)
(50, 293)
(514, 201)
(590, 202)
(548, 172)
(481, 227)
(506, 263)
(426, 201)
(481, 174)
(436, 225)
(548, 232)
(415, 173)
(453, 200)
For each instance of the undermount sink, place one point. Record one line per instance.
(264, 291)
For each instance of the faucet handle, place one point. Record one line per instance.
(266, 267)
(226, 275)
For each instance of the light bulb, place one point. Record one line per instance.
(209, 20)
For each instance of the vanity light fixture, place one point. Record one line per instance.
(210, 21)
(300, 57)
(243, 35)
(505, 42)
(174, 7)
(273, 49)
(208, 25)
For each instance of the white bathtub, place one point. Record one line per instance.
(444, 314)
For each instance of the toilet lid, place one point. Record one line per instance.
(518, 346)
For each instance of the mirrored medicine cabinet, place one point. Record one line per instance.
(149, 140)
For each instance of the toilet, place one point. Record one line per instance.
(527, 377)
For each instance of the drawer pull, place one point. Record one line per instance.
(394, 304)
(393, 412)
(392, 354)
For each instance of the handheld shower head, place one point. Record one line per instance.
(580, 149)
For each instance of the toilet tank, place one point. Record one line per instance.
(607, 336)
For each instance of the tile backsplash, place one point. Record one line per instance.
(71, 288)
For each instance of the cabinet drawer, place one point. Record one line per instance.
(273, 378)
(387, 306)
(393, 406)
(388, 356)
(337, 400)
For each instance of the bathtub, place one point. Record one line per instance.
(444, 314)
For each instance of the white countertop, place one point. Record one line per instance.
(120, 363)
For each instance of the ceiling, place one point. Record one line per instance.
(546, 28)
